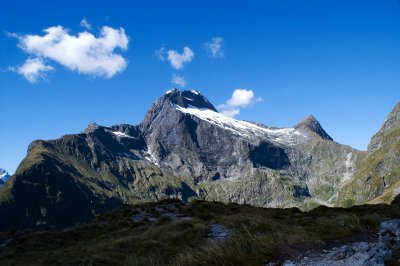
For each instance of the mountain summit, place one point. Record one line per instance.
(310, 123)
(172, 100)
(182, 149)
(185, 99)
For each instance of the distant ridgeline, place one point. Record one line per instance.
(3, 176)
(185, 149)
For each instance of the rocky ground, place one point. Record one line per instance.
(376, 253)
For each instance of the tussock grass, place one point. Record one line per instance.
(257, 235)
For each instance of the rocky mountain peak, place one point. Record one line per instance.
(92, 127)
(3, 176)
(163, 108)
(392, 122)
(311, 123)
(187, 98)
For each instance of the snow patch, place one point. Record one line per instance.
(120, 134)
(4, 175)
(151, 158)
(169, 91)
(288, 136)
(195, 92)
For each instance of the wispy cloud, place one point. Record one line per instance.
(160, 53)
(241, 98)
(214, 48)
(178, 60)
(85, 24)
(32, 69)
(178, 80)
(84, 53)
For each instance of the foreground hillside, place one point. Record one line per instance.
(171, 232)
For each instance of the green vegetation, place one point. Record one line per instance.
(323, 191)
(378, 175)
(170, 232)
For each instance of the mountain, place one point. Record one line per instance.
(182, 149)
(232, 160)
(4, 176)
(377, 178)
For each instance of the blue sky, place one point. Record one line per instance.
(337, 60)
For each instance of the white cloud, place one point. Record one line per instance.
(230, 112)
(241, 98)
(33, 69)
(85, 24)
(214, 48)
(84, 53)
(160, 53)
(178, 60)
(178, 80)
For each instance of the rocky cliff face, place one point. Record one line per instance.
(186, 134)
(391, 123)
(71, 179)
(377, 178)
(183, 149)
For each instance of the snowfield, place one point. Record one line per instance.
(286, 136)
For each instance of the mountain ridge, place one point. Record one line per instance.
(182, 149)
